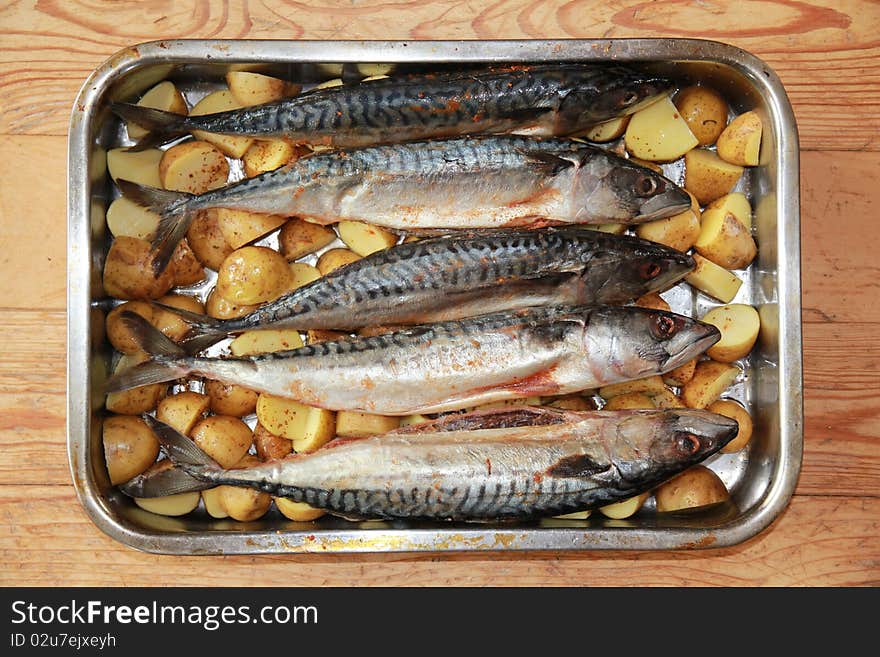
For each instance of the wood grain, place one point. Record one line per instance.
(823, 51)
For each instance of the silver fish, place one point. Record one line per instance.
(550, 463)
(449, 365)
(453, 277)
(550, 99)
(464, 183)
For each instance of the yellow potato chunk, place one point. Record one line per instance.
(185, 266)
(614, 229)
(265, 341)
(141, 167)
(164, 96)
(725, 241)
(297, 511)
(666, 399)
(225, 439)
(648, 384)
(709, 382)
(221, 308)
(629, 400)
(510, 403)
(194, 167)
(128, 271)
(213, 499)
(182, 410)
(707, 176)
(608, 130)
(117, 333)
(134, 401)
(705, 112)
(231, 399)
(575, 515)
(127, 218)
(245, 504)
(335, 82)
(240, 227)
(221, 101)
(269, 446)
(129, 447)
(302, 273)
(681, 374)
(407, 420)
(252, 275)
(739, 325)
(652, 300)
(365, 239)
(624, 508)
(308, 427)
(171, 505)
(206, 240)
(267, 155)
(571, 403)
(696, 486)
(740, 143)
(350, 424)
(714, 280)
(334, 259)
(735, 411)
(255, 88)
(736, 204)
(298, 238)
(171, 324)
(679, 231)
(658, 133)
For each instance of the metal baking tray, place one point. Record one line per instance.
(761, 478)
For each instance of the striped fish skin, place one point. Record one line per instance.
(452, 365)
(567, 462)
(453, 277)
(553, 99)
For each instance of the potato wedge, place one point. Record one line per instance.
(213, 499)
(648, 384)
(141, 167)
(182, 410)
(736, 204)
(658, 133)
(270, 154)
(735, 411)
(135, 400)
(129, 447)
(407, 420)
(297, 511)
(308, 427)
(628, 400)
(740, 143)
(707, 176)
(255, 88)
(171, 505)
(194, 167)
(206, 240)
(117, 333)
(269, 446)
(301, 274)
(696, 486)
(185, 266)
(220, 308)
(168, 322)
(324, 335)
(624, 508)
(739, 325)
(240, 227)
(245, 504)
(221, 101)
(679, 231)
(365, 239)
(334, 259)
(574, 402)
(350, 424)
(666, 399)
(681, 374)
(704, 110)
(714, 280)
(252, 275)
(725, 241)
(230, 399)
(127, 218)
(607, 130)
(709, 382)
(298, 238)
(265, 341)
(128, 271)
(224, 438)
(164, 96)
(575, 515)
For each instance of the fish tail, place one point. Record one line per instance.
(167, 362)
(163, 126)
(204, 330)
(175, 215)
(182, 451)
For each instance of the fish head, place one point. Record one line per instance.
(610, 188)
(633, 267)
(629, 342)
(655, 445)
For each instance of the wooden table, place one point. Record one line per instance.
(826, 53)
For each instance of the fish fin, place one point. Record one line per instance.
(204, 331)
(174, 217)
(181, 450)
(163, 367)
(164, 126)
(548, 163)
(576, 465)
(148, 337)
(159, 483)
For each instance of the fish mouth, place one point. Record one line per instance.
(666, 204)
(690, 343)
(714, 430)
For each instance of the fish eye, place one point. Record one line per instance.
(649, 270)
(663, 327)
(646, 186)
(687, 443)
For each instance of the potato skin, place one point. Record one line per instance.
(206, 240)
(725, 241)
(269, 446)
(182, 410)
(708, 383)
(129, 447)
(128, 271)
(225, 439)
(252, 275)
(704, 110)
(194, 167)
(119, 336)
(735, 411)
(707, 176)
(186, 267)
(696, 486)
(230, 399)
(245, 504)
(298, 238)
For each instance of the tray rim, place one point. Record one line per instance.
(790, 377)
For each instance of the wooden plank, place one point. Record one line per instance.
(818, 541)
(826, 53)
